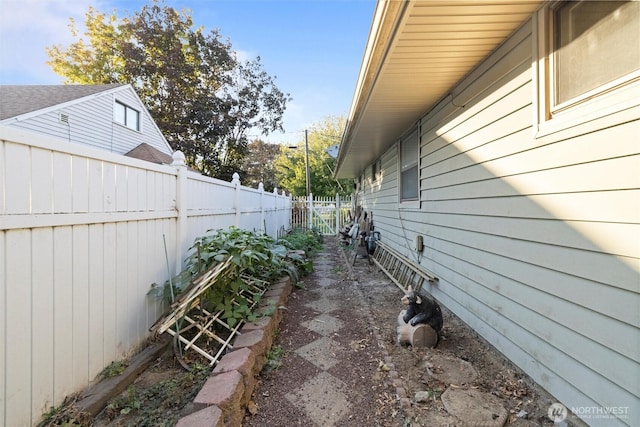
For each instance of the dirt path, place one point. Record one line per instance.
(341, 366)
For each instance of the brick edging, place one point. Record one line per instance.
(222, 399)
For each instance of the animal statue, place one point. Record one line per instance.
(421, 310)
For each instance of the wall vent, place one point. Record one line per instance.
(64, 118)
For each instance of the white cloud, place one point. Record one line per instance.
(27, 27)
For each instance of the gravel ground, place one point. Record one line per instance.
(369, 359)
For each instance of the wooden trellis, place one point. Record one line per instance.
(193, 327)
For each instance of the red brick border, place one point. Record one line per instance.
(223, 398)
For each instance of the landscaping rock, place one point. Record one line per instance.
(450, 370)
(243, 361)
(224, 390)
(210, 416)
(474, 408)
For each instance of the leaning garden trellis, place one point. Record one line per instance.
(205, 332)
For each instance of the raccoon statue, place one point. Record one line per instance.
(421, 310)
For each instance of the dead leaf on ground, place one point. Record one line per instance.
(252, 407)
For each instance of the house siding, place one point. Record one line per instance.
(534, 237)
(90, 122)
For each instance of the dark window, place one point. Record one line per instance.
(126, 116)
(409, 155)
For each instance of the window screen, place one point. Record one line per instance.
(595, 42)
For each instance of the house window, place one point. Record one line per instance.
(376, 170)
(126, 116)
(594, 48)
(409, 155)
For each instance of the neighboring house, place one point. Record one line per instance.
(507, 135)
(110, 117)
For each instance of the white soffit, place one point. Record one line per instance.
(417, 51)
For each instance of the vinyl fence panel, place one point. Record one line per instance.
(82, 238)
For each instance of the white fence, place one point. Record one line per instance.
(327, 215)
(82, 238)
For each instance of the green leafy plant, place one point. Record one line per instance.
(253, 255)
(124, 405)
(308, 240)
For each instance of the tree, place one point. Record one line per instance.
(291, 162)
(202, 97)
(258, 165)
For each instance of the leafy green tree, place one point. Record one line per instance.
(202, 97)
(291, 162)
(258, 165)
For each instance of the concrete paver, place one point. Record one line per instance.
(450, 370)
(323, 398)
(474, 407)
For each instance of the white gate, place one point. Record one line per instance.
(327, 215)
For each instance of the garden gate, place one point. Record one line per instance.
(327, 215)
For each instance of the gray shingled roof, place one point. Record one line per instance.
(21, 99)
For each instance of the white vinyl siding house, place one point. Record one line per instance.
(530, 213)
(109, 117)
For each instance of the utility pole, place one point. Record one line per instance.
(306, 147)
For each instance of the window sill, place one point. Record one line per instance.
(409, 204)
(622, 99)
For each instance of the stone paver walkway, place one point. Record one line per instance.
(324, 397)
(331, 356)
(336, 369)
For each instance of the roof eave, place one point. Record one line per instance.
(416, 53)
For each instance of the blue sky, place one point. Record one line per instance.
(313, 47)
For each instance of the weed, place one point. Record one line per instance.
(124, 405)
(64, 415)
(146, 407)
(337, 269)
(114, 369)
(274, 359)
(58, 417)
(268, 310)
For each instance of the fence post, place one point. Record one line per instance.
(181, 207)
(286, 213)
(236, 197)
(263, 226)
(289, 210)
(310, 208)
(275, 208)
(337, 213)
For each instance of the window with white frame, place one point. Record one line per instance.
(593, 49)
(409, 156)
(126, 116)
